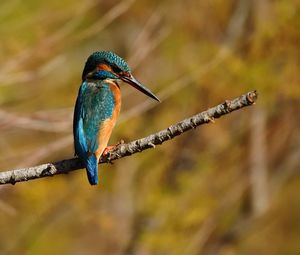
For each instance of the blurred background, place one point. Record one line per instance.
(227, 188)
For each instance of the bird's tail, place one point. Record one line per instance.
(92, 169)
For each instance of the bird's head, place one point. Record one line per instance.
(102, 65)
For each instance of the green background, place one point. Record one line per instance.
(226, 188)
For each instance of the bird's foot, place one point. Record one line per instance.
(120, 142)
(109, 149)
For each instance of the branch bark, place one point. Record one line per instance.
(123, 150)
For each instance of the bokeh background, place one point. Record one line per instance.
(227, 188)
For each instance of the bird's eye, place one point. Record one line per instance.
(116, 69)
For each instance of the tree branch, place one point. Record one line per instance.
(123, 150)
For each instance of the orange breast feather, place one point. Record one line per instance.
(108, 125)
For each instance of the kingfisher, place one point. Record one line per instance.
(98, 106)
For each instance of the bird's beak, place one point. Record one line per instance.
(136, 84)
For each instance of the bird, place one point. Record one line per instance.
(98, 106)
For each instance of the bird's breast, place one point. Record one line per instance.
(107, 125)
(117, 98)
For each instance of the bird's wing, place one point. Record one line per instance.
(94, 105)
(80, 144)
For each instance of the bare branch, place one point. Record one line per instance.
(123, 150)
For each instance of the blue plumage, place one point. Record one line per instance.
(94, 105)
(105, 57)
(98, 105)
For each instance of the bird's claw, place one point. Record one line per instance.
(120, 142)
(107, 151)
